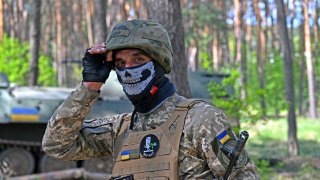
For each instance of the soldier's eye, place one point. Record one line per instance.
(120, 63)
(140, 60)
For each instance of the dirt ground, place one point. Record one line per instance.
(299, 168)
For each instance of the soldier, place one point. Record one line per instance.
(165, 137)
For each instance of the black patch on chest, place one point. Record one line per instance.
(149, 146)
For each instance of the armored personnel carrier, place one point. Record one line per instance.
(24, 112)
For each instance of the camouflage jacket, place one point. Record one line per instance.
(69, 137)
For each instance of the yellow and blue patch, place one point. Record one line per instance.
(125, 155)
(24, 114)
(130, 154)
(223, 137)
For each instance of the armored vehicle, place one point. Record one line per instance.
(24, 112)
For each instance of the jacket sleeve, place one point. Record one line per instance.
(69, 137)
(213, 131)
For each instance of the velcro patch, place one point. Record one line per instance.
(223, 137)
(227, 139)
(130, 154)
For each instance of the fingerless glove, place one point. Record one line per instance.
(95, 67)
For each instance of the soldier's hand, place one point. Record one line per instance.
(95, 66)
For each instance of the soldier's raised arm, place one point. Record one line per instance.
(67, 136)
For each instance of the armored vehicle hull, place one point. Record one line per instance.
(24, 112)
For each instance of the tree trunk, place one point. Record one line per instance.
(34, 42)
(316, 29)
(288, 69)
(88, 19)
(137, 7)
(310, 74)
(79, 39)
(237, 33)
(1, 20)
(125, 7)
(24, 23)
(243, 48)
(47, 21)
(225, 51)
(302, 67)
(58, 59)
(315, 15)
(100, 28)
(192, 53)
(168, 13)
(215, 50)
(260, 56)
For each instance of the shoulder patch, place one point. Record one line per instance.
(228, 139)
(223, 137)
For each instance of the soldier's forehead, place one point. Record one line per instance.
(131, 51)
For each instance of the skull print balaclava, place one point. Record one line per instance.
(134, 80)
(140, 83)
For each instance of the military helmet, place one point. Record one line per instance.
(149, 36)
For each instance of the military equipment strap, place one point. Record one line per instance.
(165, 164)
(181, 111)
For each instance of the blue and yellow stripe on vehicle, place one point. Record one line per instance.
(24, 114)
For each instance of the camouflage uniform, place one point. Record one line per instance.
(69, 137)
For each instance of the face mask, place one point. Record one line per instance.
(135, 80)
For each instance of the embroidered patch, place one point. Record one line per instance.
(134, 154)
(243, 158)
(149, 146)
(130, 154)
(223, 137)
(125, 155)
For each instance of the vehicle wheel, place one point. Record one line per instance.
(18, 162)
(48, 164)
(101, 165)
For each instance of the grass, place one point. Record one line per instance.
(267, 145)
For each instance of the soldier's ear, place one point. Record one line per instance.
(109, 56)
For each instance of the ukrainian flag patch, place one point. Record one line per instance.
(24, 114)
(125, 155)
(130, 154)
(223, 137)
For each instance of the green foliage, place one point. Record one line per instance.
(47, 75)
(14, 61)
(205, 61)
(225, 97)
(274, 85)
(264, 169)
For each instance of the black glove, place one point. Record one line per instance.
(95, 67)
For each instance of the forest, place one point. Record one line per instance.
(268, 50)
